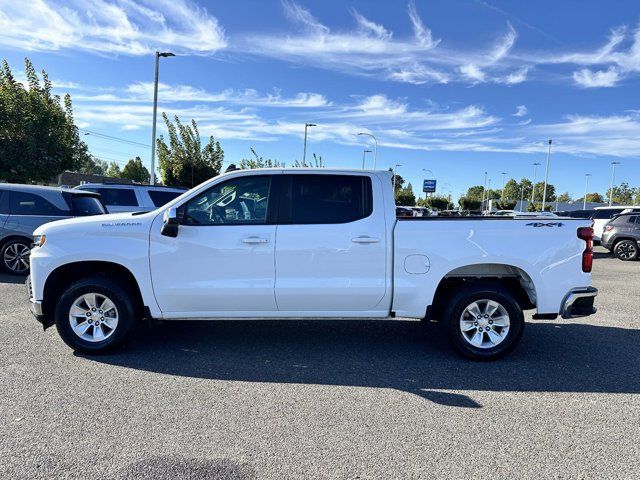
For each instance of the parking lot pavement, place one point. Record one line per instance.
(349, 399)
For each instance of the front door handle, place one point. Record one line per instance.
(365, 239)
(255, 240)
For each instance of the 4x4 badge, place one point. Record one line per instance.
(545, 224)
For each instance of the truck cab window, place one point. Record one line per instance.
(317, 199)
(240, 201)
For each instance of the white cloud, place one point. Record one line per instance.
(422, 33)
(602, 78)
(516, 77)
(521, 111)
(372, 50)
(121, 27)
(371, 28)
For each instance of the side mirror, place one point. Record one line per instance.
(170, 222)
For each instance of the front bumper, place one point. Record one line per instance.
(35, 306)
(579, 303)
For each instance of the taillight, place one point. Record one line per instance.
(586, 234)
(608, 228)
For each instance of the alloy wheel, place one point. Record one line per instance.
(626, 250)
(16, 257)
(484, 323)
(93, 317)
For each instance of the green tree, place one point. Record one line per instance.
(92, 165)
(405, 196)
(185, 161)
(551, 192)
(475, 193)
(439, 203)
(259, 162)
(595, 197)
(135, 171)
(38, 137)
(526, 194)
(467, 203)
(114, 170)
(564, 197)
(622, 194)
(511, 190)
(505, 204)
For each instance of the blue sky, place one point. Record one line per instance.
(456, 87)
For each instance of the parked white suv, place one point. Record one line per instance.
(131, 197)
(307, 243)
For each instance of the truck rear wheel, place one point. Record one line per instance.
(484, 321)
(94, 315)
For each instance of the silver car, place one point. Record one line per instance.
(23, 208)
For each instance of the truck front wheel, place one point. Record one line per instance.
(94, 315)
(484, 321)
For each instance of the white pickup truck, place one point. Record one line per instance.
(307, 243)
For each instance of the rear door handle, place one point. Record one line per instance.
(365, 239)
(255, 240)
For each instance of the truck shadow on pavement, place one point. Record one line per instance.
(402, 355)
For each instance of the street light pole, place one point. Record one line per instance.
(484, 189)
(613, 179)
(546, 177)
(395, 168)
(586, 186)
(364, 152)
(152, 179)
(533, 185)
(304, 148)
(504, 176)
(375, 148)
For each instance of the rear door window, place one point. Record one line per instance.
(162, 197)
(607, 213)
(118, 197)
(327, 199)
(23, 203)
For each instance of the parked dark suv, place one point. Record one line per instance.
(23, 208)
(621, 236)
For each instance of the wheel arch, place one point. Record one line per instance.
(64, 275)
(510, 277)
(15, 236)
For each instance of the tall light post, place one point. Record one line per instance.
(586, 186)
(613, 179)
(504, 176)
(364, 153)
(533, 185)
(304, 148)
(395, 168)
(152, 180)
(484, 189)
(375, 148)
(546, 177)
(488, 190)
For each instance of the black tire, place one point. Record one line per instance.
(480, 293)
(626, 250)
(125, 310)
(7, 254)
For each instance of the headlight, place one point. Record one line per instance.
(38, 240)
